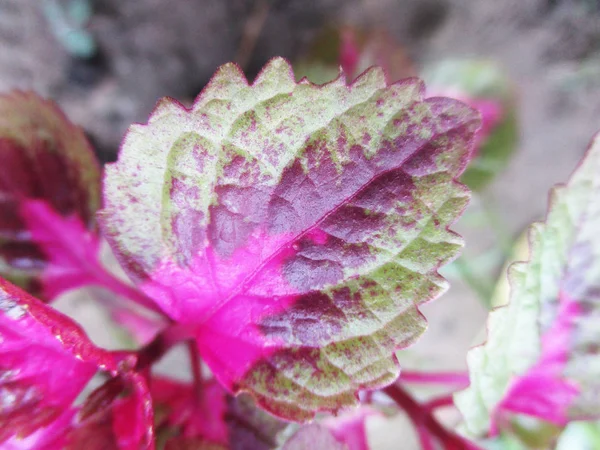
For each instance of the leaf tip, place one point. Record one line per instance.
(277, 68)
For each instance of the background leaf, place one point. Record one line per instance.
(540, 356)
(355, 50)
(46, 158)
(484, 86)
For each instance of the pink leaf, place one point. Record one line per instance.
(72, 254)
(52, 437)
(540, 356)
(45, 362)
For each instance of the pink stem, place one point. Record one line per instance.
(460, 379)
(425, 422)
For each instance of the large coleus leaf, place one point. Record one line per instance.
(298, 226)
(45, 362)
(48, 159)
(540, 358)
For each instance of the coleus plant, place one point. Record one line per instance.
(285, 233)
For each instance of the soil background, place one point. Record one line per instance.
(151, 48)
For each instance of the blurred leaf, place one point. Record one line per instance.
(540, 358)
(354, 50)
(580, 436)
(45, 158)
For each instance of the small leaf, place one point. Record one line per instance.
(39, 347)
(117, 415)
(73, 258)
(47, 158)
(298, 226)
(540, 356)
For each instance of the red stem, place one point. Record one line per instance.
(439, 402)
(425, 422)
(161, 344)
(460, 379)
(424, 437)
(196, 364)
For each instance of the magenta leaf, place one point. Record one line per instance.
(70, 250)
(39, 347)
(540, 358)
(299, 227)
(47, 158)
(51, 437)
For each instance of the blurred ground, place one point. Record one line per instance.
(152, 48)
